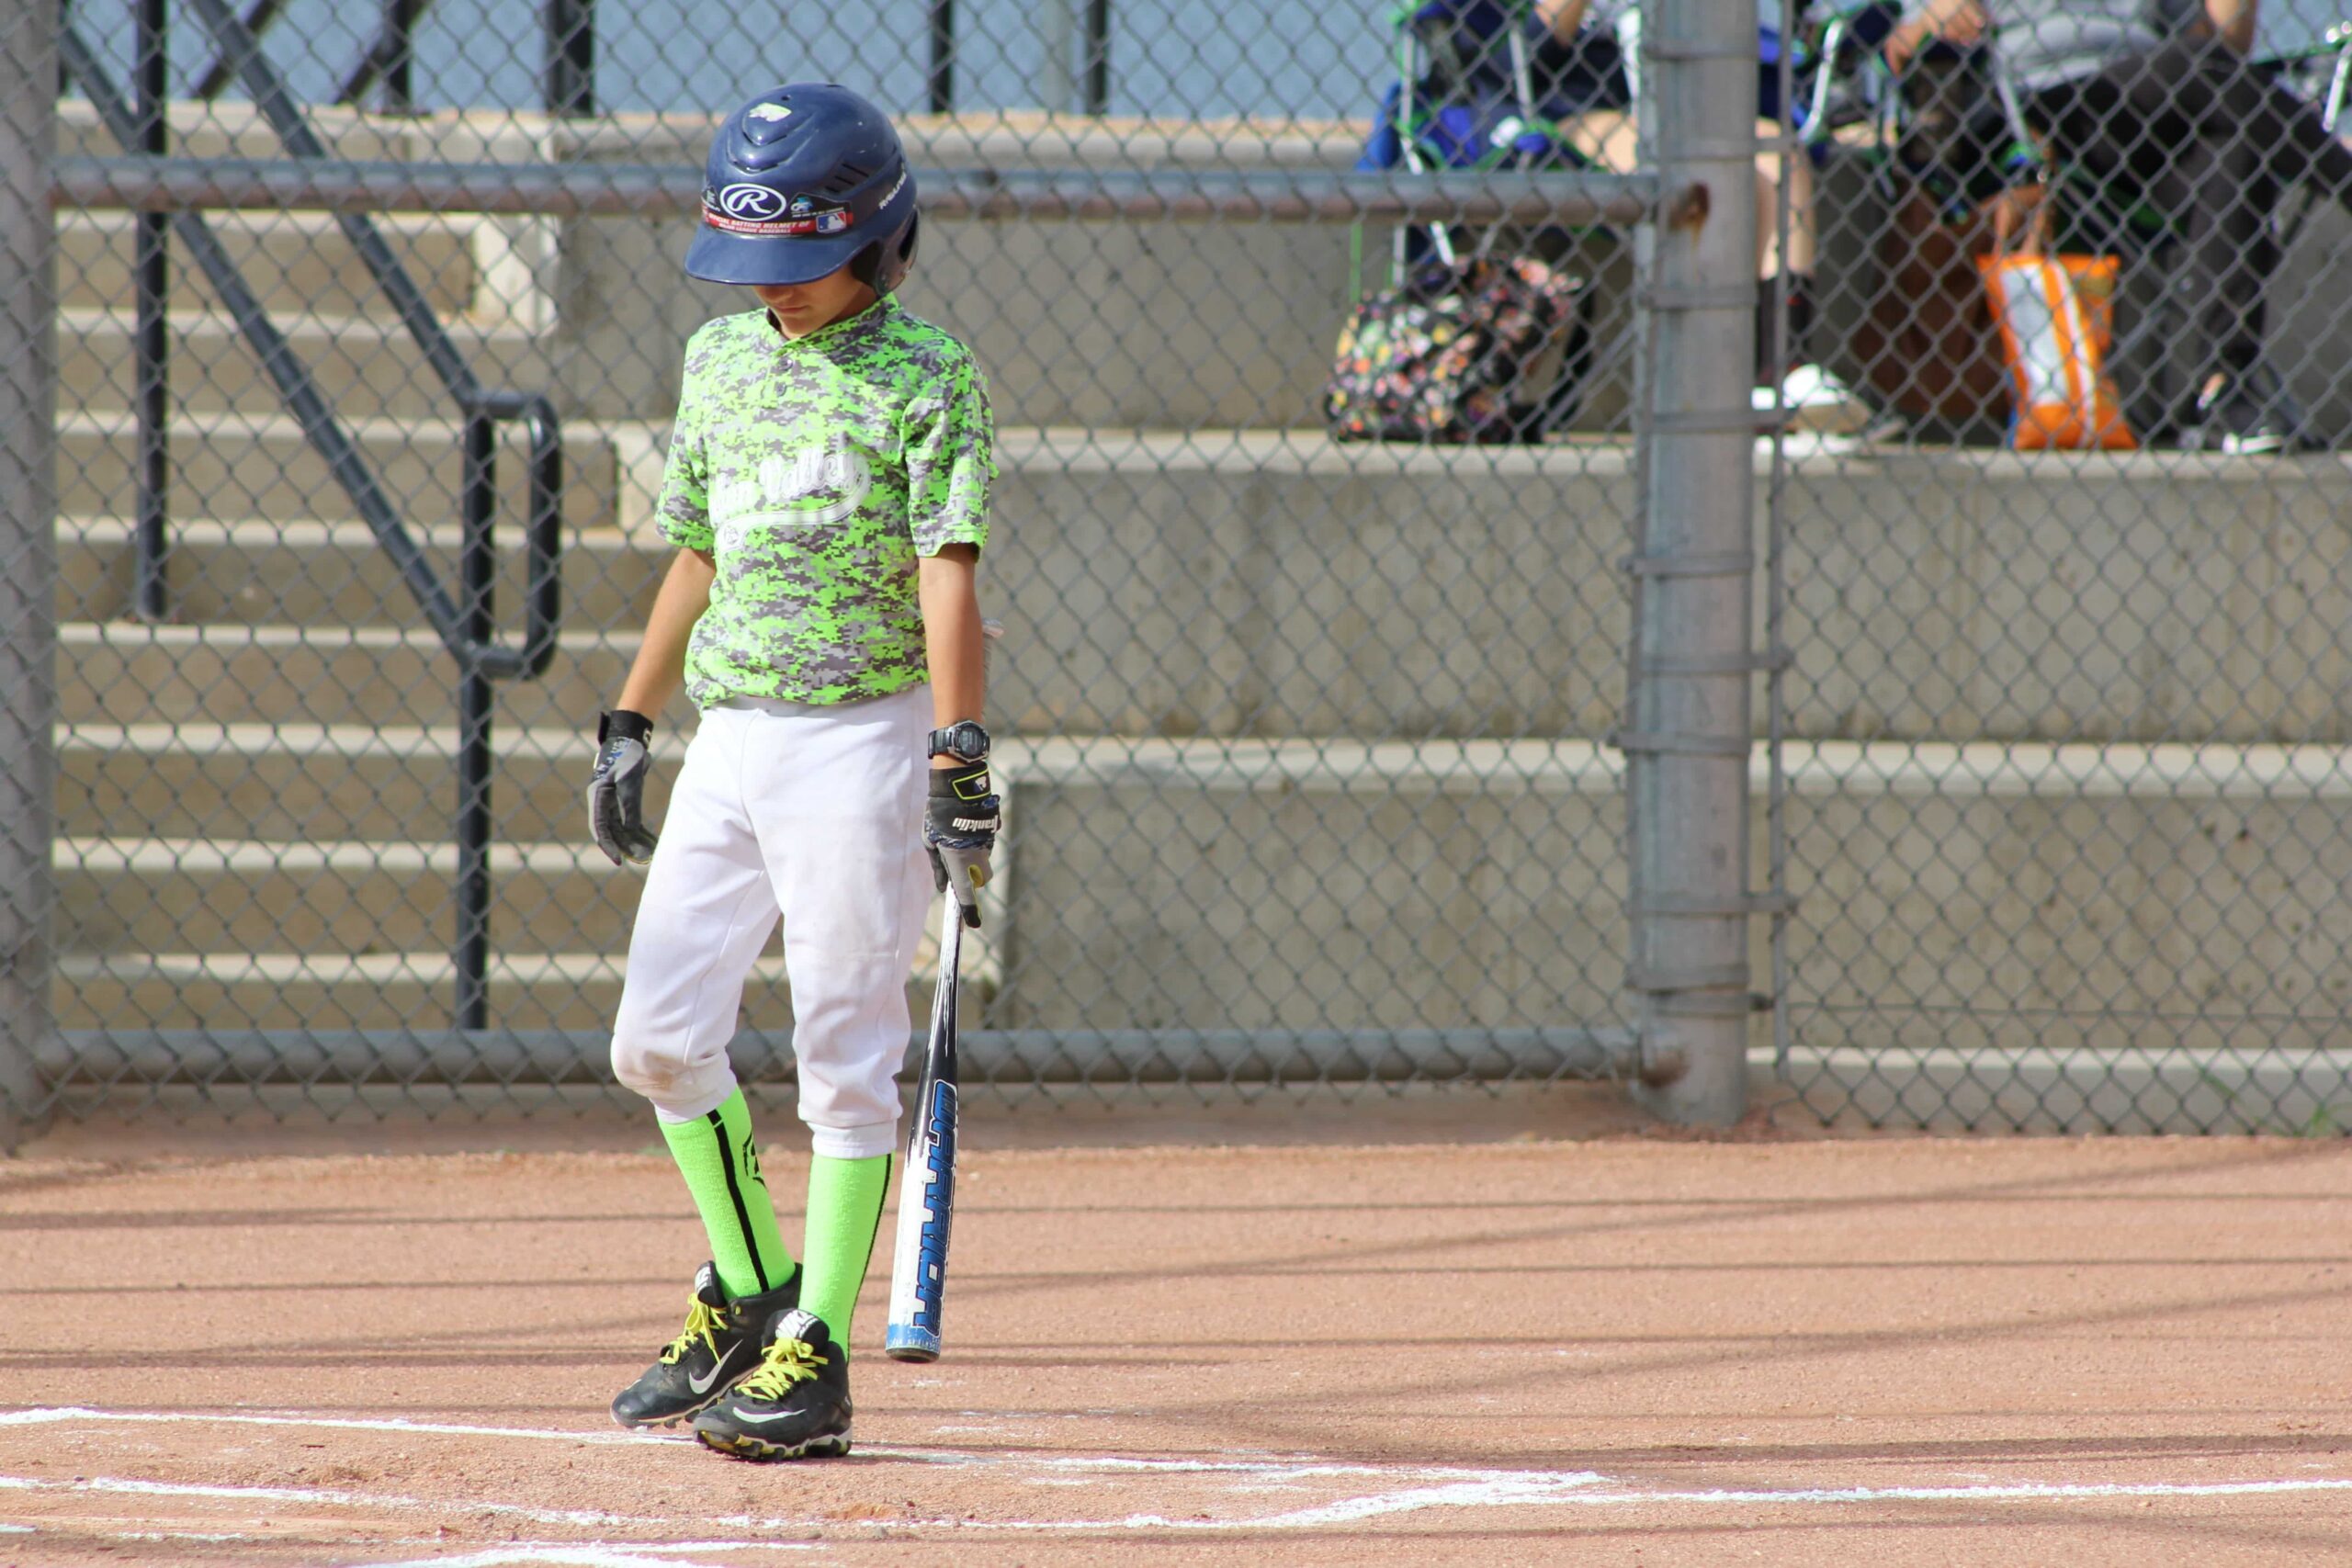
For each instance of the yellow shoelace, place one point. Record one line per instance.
(701, 1323)
(786, 1364)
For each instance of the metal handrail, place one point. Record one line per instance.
(627, 190)
(258, 18)
(299, 389)
(241, 53)
(466, 627)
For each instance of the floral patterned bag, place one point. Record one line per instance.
(1478, 350)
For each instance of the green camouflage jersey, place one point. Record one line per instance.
(816, 471)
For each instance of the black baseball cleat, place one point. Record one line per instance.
(794, 1406)
(718, 1347)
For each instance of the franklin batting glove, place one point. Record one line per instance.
(616, 791)
(959, 828)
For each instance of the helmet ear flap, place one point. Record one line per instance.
(883, 264)
(906, 248)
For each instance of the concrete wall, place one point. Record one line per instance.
(2070, 596)
(2003, 897)
(1269, 584)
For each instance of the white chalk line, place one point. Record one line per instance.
(595, 1554)
(2020, 1490)
(1453, 1488)
(1510, 1490)
(47, 1414)
(1271, 1465)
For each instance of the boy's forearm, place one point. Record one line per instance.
(1961, 22)
(952, 639)
(661, 663)
(1565, 18)
(2234, 22)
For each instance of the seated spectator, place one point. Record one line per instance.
(1580, 84)
(2156, 98)
(1928, 343)
(1816, 396)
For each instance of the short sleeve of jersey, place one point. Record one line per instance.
(949, 436)
(683, 510)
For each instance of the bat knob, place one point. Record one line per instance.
(904, 1342)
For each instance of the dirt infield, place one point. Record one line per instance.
(1622, 1352)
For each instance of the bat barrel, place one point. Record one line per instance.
(927, 1184)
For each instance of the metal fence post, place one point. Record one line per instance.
(1686, 735)
(567, 81)
(1098, 57)
(939, 82)
(28, 551)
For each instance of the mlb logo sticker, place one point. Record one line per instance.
(833, 223)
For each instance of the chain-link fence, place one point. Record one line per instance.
(2059, 545)
(367, 339)
(368, 332)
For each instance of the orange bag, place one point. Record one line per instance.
(2094, 280)
(2055, 315)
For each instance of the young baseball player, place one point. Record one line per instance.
(827, 488)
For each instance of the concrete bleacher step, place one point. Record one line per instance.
(297, 262)
(1278, 915)
(226, 128)
(1261, 583)
(2005, 884)
(197, 894)
(124, 672)
(261, 465)
(319, 783)
(305, 572)
(363, 360)
(278, 989)
(1276, 918)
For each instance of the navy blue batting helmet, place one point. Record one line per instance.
(802, 181)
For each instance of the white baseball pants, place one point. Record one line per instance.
(815, 813)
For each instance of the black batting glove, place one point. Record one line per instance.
(616, 791)
(959, 828)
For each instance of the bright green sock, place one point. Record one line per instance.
(721, 1165)
(845, 1215)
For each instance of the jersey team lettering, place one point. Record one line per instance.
(815, 490)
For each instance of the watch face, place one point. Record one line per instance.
(965, 739)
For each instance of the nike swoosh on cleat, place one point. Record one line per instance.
(703, 1385)
(761, 1420)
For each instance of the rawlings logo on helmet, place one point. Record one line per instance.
(761, 212)
(750, 203)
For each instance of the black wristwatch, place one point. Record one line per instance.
(963, 739)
